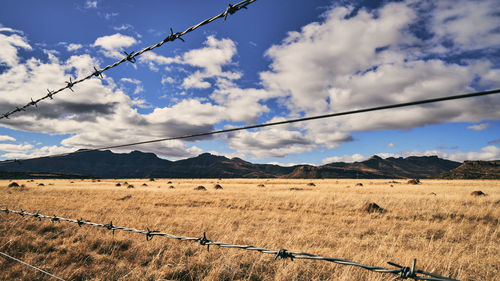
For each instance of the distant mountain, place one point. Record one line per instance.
(136, 164)
(376, 167)
(474, 170)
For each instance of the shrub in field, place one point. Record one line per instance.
(359, 184)
(13, 184)
(372, 208)
(218, 186)
(414, 181)
(130, 186)
(478, 193)
(200, 187)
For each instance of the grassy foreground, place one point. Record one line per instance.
(439, 222)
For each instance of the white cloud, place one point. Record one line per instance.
(346, 158)
(167, 80)
(390, 144)
(208, 61)
(9, 45)
(486, 153)
(122, 27)
(469, 25)
(112, 45)
(73, 47)
(479, 127)
(6, 138)
(90, 4)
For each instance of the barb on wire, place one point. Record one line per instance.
(131, 57)
(29, 265)
(402, 271)
(262, 125)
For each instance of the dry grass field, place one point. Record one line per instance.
(439, 222)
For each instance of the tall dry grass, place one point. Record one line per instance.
(450, 233)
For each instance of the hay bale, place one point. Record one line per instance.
(200, 187)
(372, 208)
(311, 184)
(171, 187)
(13, 184)
(130, 186)
(414, 181)
(118, 184)
(359, 184)
(478, 193)
(218, 186)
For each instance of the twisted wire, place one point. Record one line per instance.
(262, 125)
(32, 266)
(131, 57)
(403, 272)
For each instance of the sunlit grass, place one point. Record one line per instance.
(451, 233)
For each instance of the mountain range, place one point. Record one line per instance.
(136, 164)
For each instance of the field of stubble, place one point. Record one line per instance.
(449, 231)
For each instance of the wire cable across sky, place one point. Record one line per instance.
(262, 125)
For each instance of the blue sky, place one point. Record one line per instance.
(274, 61)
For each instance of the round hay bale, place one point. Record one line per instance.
(414, 181)
(171, 187)
(200, 187)
(372, 208)
(217, 186)
(311, 184)
(118, 184)
(130, 186)
(478, 193)
(13, 184)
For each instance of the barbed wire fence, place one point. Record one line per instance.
(131, 57)
(31, 266)
(402, 272)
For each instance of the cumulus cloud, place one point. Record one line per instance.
(112, 45)
(390, 144)
(6, 138)
(346, 158)
(73, 47)
(9, 44)
(467, 25)
(207, 62)
(98, 113)
(479, 127)
(371, 58)
(490, 152)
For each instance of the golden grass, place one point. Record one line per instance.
(451, 233)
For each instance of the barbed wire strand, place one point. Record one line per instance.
(403, 272)
(29, 265)
(262, 125)
(131, 57)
